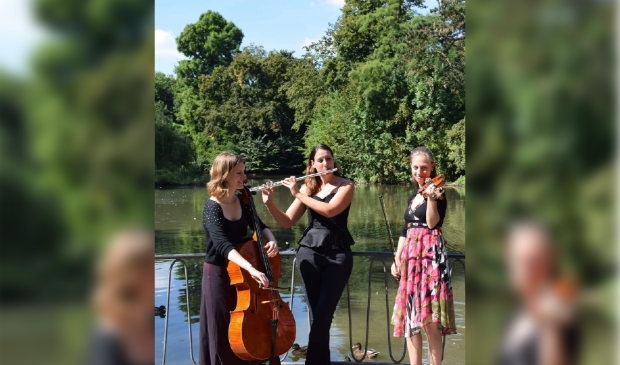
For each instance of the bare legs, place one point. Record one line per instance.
(433, 336)
(414, 346)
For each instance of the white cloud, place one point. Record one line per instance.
(300, 48)
(19, 34)
(338, 3)
(307, 41)
(166, 45)
(17, 19)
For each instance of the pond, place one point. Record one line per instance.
(178, 229)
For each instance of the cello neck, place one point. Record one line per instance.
(258, 233)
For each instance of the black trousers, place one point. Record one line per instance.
(324, 272)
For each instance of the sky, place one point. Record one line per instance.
(274, 24)
(19, 34)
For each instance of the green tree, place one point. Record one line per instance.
(243, 103)
(402, 75)
(381, 81)
(210, 42)
(164, 93)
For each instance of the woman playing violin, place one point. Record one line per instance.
(424, 299)
(225, 220)
(324, 257)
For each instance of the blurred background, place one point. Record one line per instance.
(76, 161)
(540, 144)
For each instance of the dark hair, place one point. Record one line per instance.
(422, 150)
(313, 184)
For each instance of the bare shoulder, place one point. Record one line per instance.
(347, 182)
(303, 189)
(346, 185)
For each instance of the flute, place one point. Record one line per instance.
(266, 186)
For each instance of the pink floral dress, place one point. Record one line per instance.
(425, 290)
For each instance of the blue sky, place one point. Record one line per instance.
(273, 24)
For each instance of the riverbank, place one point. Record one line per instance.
(166, 181)
(193, 176)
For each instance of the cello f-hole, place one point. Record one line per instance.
(256, 302)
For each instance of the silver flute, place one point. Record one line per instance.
(278, 183)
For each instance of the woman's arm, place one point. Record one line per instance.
(271, 246)
(260, 278)
(340, 202)
(396, 263)
(399, 249)
(212, 222)
(432, 214)
(292, 215)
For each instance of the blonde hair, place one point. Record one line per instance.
(313, 184)
(222, 166)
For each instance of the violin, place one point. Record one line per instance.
(438, 182)
(262, 326)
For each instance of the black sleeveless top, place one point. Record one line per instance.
(322, 231)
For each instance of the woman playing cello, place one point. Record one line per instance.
(225, 220)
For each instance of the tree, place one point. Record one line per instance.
(400, 76)
(164, 93)
(210, 42)
(244, 104)
(382, 81)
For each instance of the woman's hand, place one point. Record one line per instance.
(430, 190)
(291, 184)
(395, 271)
(260, 278)
(272, 248)
(268, 194)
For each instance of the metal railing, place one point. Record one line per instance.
(376, 256)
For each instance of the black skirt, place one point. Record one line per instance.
(219, 298)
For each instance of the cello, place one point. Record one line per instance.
(262, 325)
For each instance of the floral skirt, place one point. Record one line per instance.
(425, 289)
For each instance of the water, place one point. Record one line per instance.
(178, 215)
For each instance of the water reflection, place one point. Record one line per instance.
(179, 229)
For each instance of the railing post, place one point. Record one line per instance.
(189, 322)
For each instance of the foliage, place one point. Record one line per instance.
(77, 129)
(541, 110)
(381, 81)
(164, 93)
(210, 42)
(404, 78)
(172, 147)
(456, 145)
(245, 103)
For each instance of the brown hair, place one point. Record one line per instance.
(422, 151)
(313, 184)
(222, 166)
